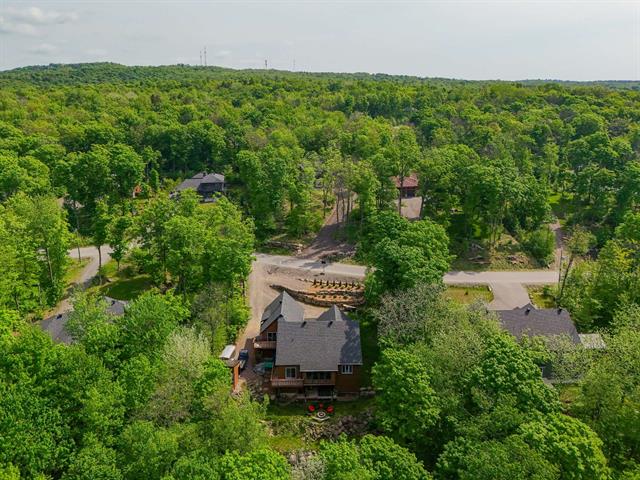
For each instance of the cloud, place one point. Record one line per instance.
(37, 16)
(43, 49)
(7, 26)
(27, 20)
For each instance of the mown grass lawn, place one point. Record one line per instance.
(469, 294)
(561, 205)
(541, 296)
(125, 284)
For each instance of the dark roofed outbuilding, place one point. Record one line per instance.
(533, 322)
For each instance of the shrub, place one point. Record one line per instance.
(540, 244)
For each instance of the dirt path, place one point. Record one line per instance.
(556, 228)
(326, 244)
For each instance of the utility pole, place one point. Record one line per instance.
(205, 55)
(559, 277)
(200, 57)
(265, 64)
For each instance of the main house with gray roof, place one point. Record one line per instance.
(207, 185)
(533, 322)
(311, 358)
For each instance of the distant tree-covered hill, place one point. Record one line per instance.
(106, 72)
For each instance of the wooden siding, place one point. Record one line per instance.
(349, 383)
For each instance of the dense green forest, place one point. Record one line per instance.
(143, 396)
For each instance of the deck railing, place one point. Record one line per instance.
(286, 382)
(319, 381)
(261, 343)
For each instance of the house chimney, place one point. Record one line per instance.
(559, 310)
(330, 322)
(304, 322)
(526, 312)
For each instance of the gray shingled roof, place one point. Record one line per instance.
(202, 177)
(284, 306)
(319, 345)
(115, 307)
(189, 183)
(213, 178)
(533, 322)
(55, 326)
(333, 314)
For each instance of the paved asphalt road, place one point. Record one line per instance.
(507, 287)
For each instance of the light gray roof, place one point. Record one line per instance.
(533, 322)
(319, 345)
(285, 307)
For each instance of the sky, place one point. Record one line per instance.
(475, 40)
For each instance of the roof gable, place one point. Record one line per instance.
(314, 345)
(285, 307)
(334, 314)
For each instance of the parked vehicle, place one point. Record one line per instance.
(243, 358)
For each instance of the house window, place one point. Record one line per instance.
(346, 369)
(290, 372)
(318, 375)
(272, 336)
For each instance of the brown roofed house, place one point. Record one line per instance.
(312, 358)
(409, 187)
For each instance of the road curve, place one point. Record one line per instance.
(508, 287)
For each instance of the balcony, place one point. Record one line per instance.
(287, 382)
(319, 381)
(261, 343)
